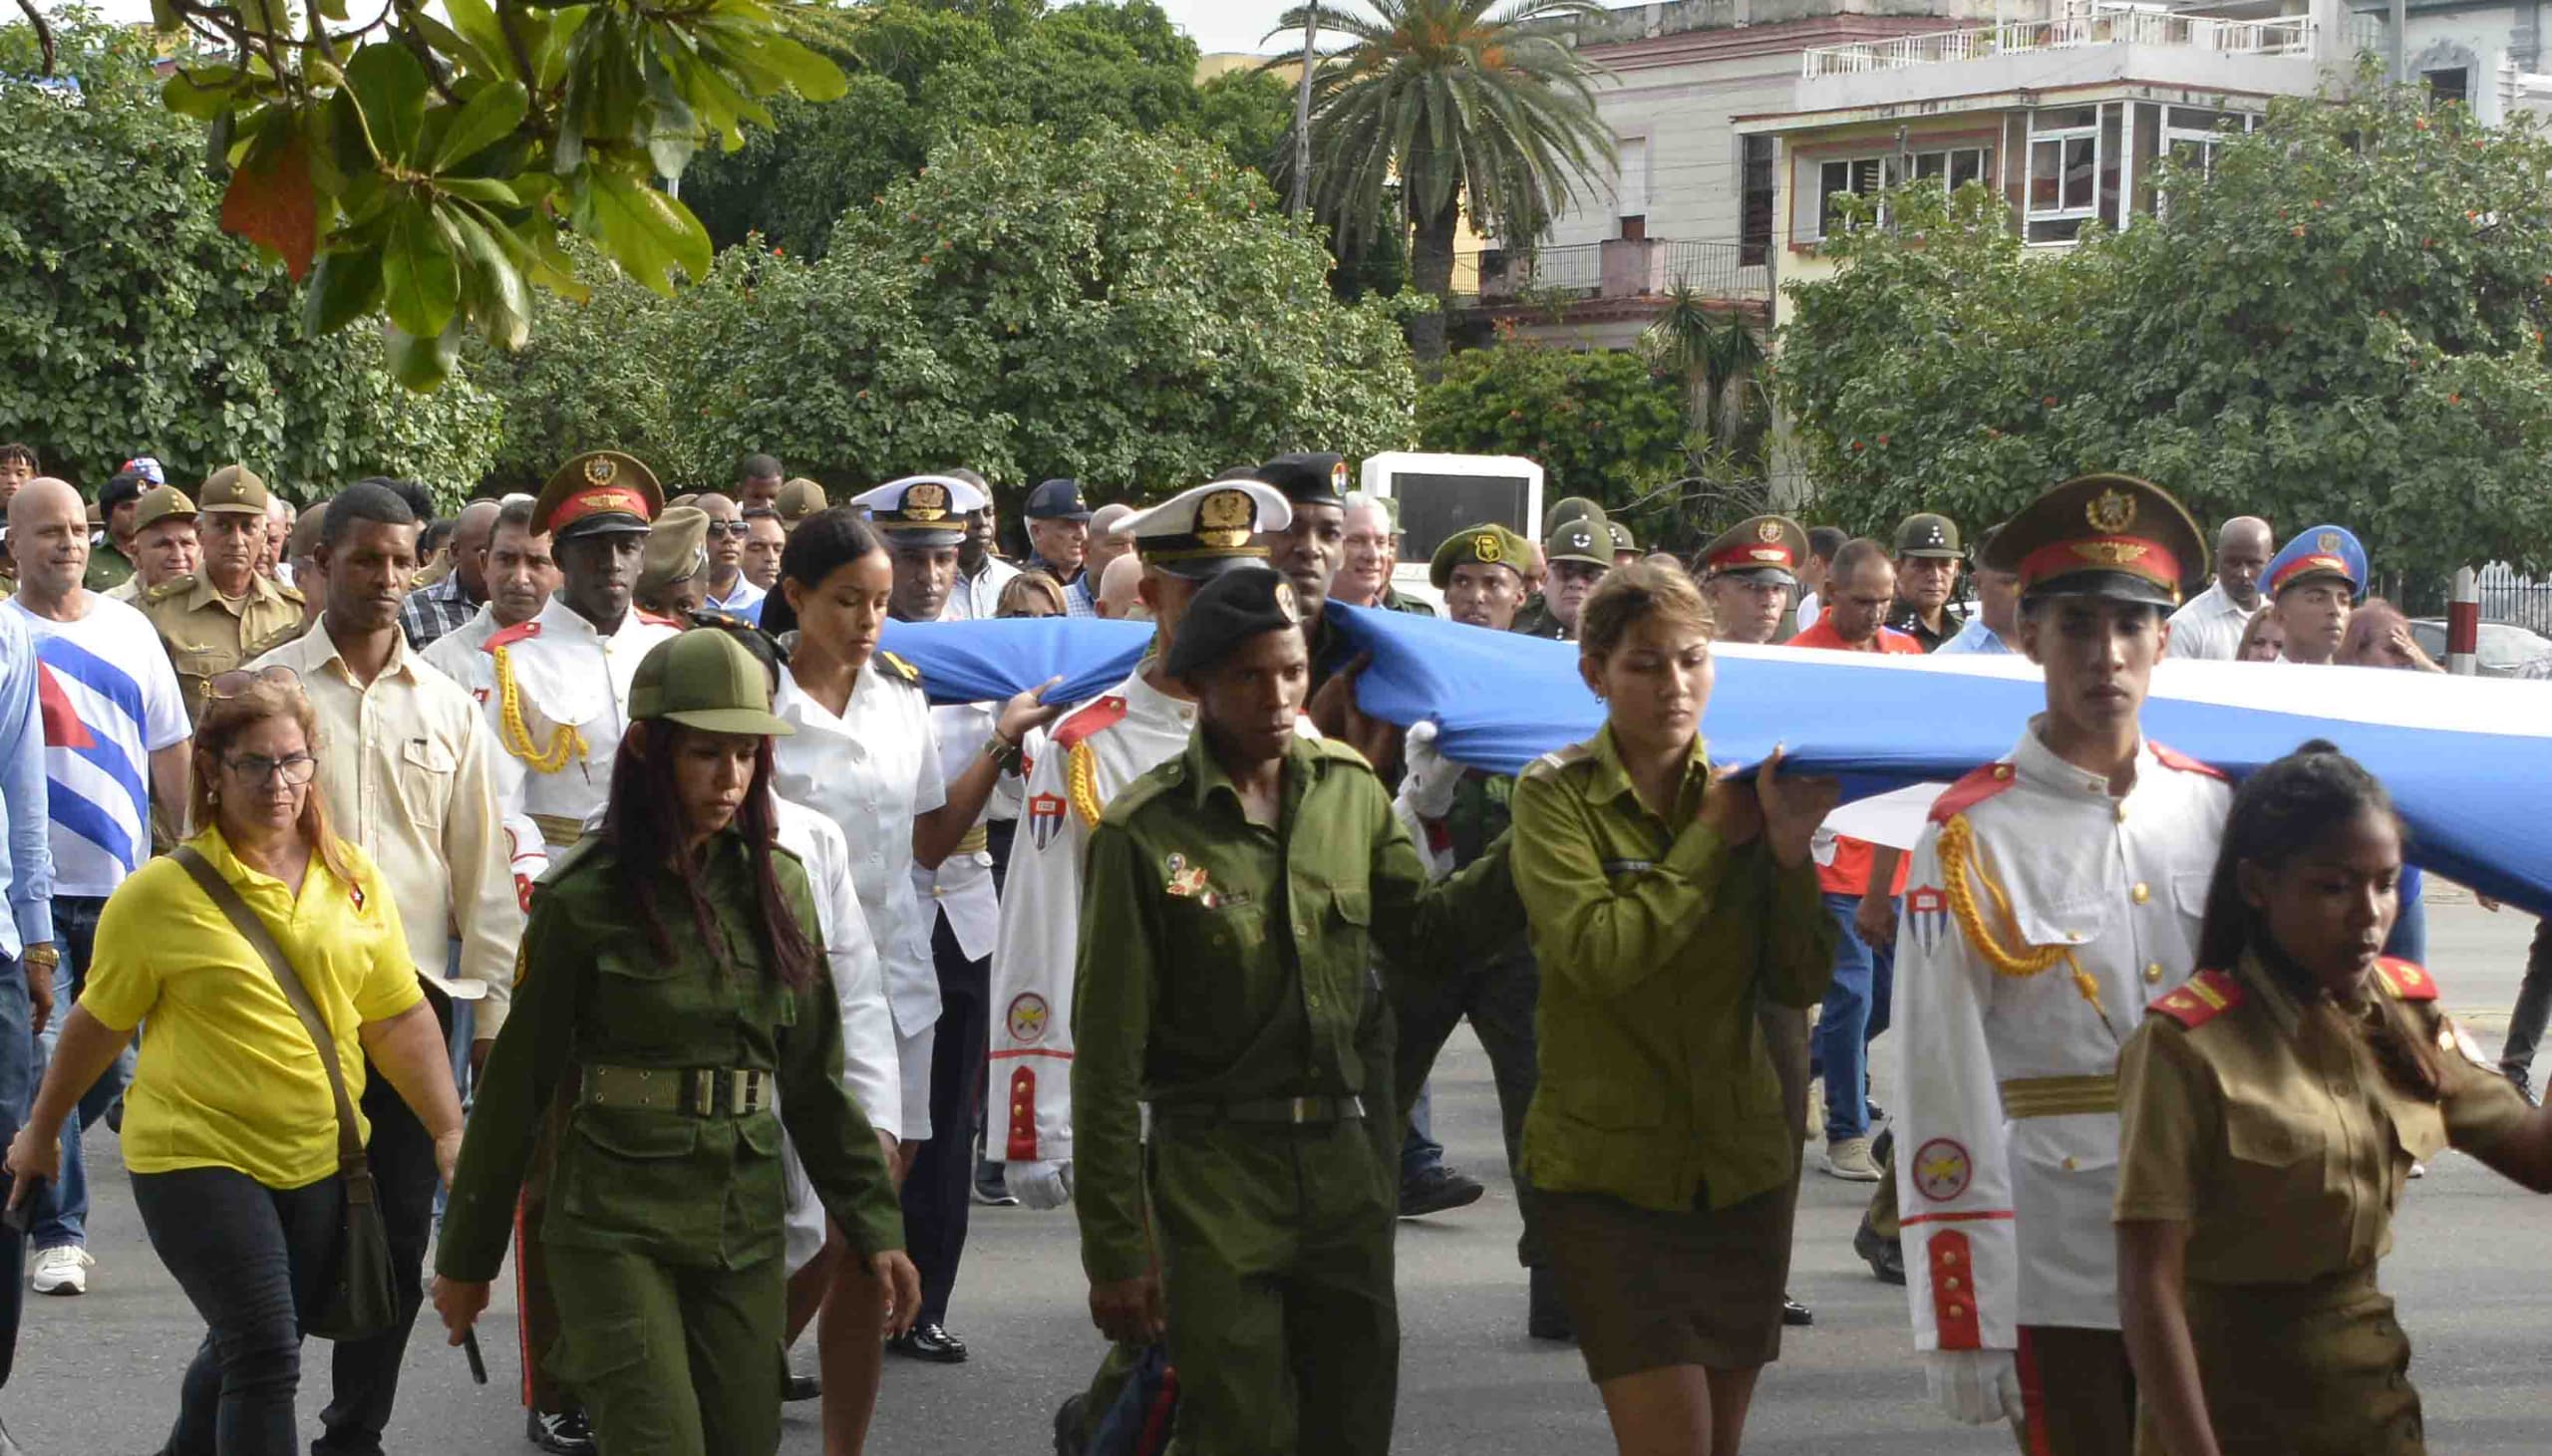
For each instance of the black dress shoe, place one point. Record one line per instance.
(1794, 1314)
(1068, 1427)
(1438, 1190)
(1886, 1258)
(1545, 1313)
(566, 1434)
(929, 1342)
(800, 1388)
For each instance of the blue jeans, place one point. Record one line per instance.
(17, 1096)
(2409, 938)
(1854, 1013)
(1419, 1150)
(62, 1212)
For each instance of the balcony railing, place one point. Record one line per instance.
(2290, 35)
(1622, 268)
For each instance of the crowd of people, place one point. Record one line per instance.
(609, 819)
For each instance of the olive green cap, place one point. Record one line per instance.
(1588, 539)
(1488, 544)
(798, 499)
(1927, 534)
(157, 504)
(232, 490)
(677, 548)
(705, 678)
(1623, 541)
(1569, 508)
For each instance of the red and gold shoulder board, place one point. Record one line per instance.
(660, 619)
(507, 637)
(1973, 789)
(1102, 714)
(2173, 758)
(2205, 996)
(2407, 980)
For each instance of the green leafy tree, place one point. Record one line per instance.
(1132, 311)
(424, 162)
(1601, 424)
(1471, 107)
(2343, 322)
(131, 324)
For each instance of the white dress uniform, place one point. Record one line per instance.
(869, 1070)
(871, 771)
(2007, 1141)
(962, 887)
(462, 653)
(560, 707)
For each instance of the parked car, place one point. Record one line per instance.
(2504, 646)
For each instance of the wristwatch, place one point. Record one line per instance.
(1005, 753)
(42, 954)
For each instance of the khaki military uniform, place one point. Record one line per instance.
(2269, 1126)
(208, 634)
(1226, 979)
(663, 1230)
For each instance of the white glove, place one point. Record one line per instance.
(1976, 1386)
(1039, 1185)
(1432, 778)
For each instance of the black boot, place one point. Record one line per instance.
(1438, 1190)
(1068, 1440)
(563, 1434)
(1794, 1314)
(1886, 1255)
(1545, 1313)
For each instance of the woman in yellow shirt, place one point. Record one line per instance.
(231, 1126)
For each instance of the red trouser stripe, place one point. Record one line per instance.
(2033, 1438)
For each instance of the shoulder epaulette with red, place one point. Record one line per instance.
(2407, 980)
(2203, 997)
(1973, 789)
(1102, 714)
(2173, 758)
(509, 635)
(659, 619)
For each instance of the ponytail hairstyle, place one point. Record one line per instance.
(2279, 812)
(822, 544)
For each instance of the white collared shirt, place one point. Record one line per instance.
(407, 771)
(977, 598)
(2209, 625)
(962, 886)
(745, 601)
(872, 771)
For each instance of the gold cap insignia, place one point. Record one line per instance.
(1485, 549)
(925, 501)
(2112, 511)
(1286, 606)
(2328, 541)
(600, 471)
(1768, 531)
(1223, 519)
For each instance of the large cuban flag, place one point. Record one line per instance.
(2468, 761)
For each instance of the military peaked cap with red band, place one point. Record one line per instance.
(599, 491)
(2103, 536)
(1767, 547)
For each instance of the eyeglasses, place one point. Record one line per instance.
(295, 769)
(237, 683)
(727, 528)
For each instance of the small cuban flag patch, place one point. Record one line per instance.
(1927, 914)
(1045, 818)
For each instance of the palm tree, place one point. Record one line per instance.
(1468, 104)
(1716, 355)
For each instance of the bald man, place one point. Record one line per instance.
(2210, 624)
(1105, 546)
(1119, 590)
(447, 604)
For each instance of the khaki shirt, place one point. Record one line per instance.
(1225, 962)
(2270, 1127)
(407, 767)
(1656, 942)
(208, 634)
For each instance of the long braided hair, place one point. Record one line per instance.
(2280, 812)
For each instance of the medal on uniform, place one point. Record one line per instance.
(1045, 817)
(1927, 914)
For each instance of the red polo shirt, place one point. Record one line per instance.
(1849, 874)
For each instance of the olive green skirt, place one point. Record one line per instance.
(2316, 1370)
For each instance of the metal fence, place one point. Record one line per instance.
(1643, 269)
(2284, 36)
(1718, 269)
(2508, 597)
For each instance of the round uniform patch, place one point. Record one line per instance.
(2111, 511)
(1942, 1169)
(1027, 1018)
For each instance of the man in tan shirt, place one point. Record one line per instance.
(406, 766)
(224, 614)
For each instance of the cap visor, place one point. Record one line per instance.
(231, 510)
(752, 722)
(613, 524)
(1058, 515)
(1762, 573)
(2117, 586)
(1931, 553)
(1205, 568)
(932, 537)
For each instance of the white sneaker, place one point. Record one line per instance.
(1850, 1160)
(62, 1270)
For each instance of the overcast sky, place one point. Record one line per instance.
(1217, 24)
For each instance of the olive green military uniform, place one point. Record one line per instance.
(664, 1224)
(1656, 1137)
(2269, 1126)
(1395, 600)
(109, 568)
(208, 634)
(1226, 979)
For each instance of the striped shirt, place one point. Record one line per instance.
(109, 699)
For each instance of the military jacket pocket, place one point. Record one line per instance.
(2262, 1137)
(425, 771)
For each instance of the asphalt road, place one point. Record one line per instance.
(2471, 1268)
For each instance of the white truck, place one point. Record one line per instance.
(1440, 494)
